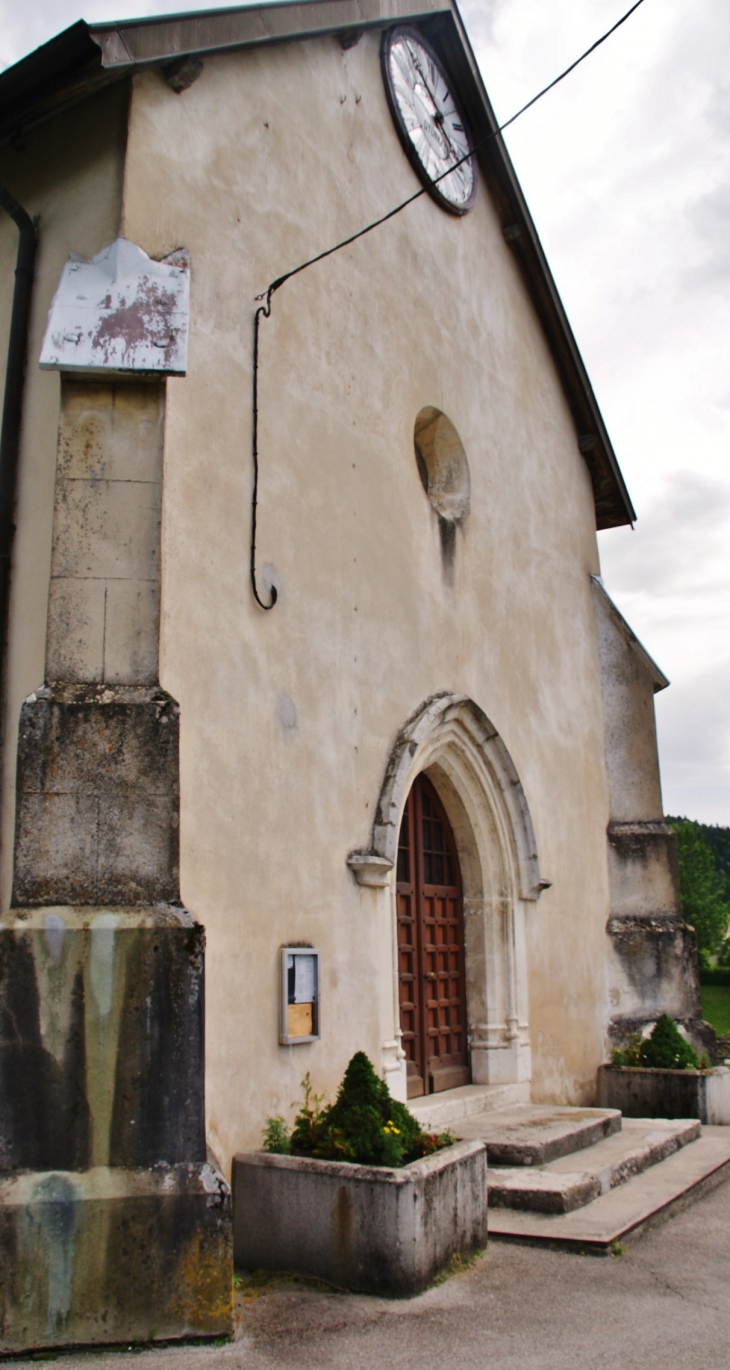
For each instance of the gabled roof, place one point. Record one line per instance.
(86, 57)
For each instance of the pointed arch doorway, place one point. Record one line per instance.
(431, 956)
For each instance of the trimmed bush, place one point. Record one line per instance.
(666, 1049)
(364, 1125)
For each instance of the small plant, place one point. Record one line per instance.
(276, 1136)
(630, 1055)
(665, 1049)
(308, 1123)
(458, 1264)
(364, 1125)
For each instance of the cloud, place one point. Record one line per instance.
(680, 545)
(481, 19)
(695, 728)
(710, 219)
(625, 166)
(694, 738)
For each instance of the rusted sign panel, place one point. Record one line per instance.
(120, 312)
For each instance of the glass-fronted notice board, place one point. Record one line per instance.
(299, 995)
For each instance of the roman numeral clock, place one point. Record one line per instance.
(430, 124)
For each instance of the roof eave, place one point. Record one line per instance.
(613, 503)
(61, 72)
(86, 57)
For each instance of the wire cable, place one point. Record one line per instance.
(264, 310)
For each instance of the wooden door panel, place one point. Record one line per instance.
(430, 946)
(409, 971)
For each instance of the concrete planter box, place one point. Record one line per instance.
(641, 1093)
(367, 1228)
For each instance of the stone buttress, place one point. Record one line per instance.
(652, 965)
(114, 1226)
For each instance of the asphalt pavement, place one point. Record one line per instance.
(664, 1304)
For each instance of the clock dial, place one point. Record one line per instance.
(429, 121)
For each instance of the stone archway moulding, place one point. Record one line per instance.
(449, 722)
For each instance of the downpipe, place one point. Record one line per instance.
(11, 420)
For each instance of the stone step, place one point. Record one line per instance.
(558, 1187)
(625, 1212)
(437, 1112)
(533, 1134)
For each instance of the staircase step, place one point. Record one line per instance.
(559, 1188)
(436, 1112)
(625, 1212)
(533, 1134)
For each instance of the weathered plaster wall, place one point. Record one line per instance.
(652, 959)
(70, 173)
(287, 718)
(629, 683)
(101, 1006)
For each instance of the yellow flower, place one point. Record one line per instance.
(392, 1129)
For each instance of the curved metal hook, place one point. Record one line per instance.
(265, 311)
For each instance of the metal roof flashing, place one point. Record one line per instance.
(86, 57)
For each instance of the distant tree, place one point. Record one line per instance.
(701, 887)
(718, 840)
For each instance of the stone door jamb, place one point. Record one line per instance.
(451, 739)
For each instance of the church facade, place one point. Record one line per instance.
(393, 759)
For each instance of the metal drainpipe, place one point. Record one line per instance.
(12, 411)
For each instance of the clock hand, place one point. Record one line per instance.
(430, 83)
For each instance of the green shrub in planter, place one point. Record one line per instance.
(364, 1125)
(666, 1049)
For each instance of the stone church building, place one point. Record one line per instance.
(383, 776)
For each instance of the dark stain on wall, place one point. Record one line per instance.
(44, 1113)
(49, 1104)
(158, 1110)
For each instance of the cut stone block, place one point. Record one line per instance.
(437, 1112)
(667, 1093)
(114, 750)
(114, 1255)
(558, 1188)
(107, 529)
(368, 1228)
(131, 631)
(533, 1134)
(541, 1191)
(76, 624)
(628, 1210)
(110, 431)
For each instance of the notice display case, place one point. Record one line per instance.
(299, 1019)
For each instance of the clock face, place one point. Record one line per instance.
(429, 121)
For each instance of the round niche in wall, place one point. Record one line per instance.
(442, 464)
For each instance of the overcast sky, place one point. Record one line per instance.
(626, 168)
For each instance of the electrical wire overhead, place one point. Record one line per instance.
(264, 310)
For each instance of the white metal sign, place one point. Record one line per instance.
(120, 312)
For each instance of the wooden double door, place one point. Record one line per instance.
(431, 972)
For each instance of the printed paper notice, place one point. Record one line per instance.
(304, 973)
